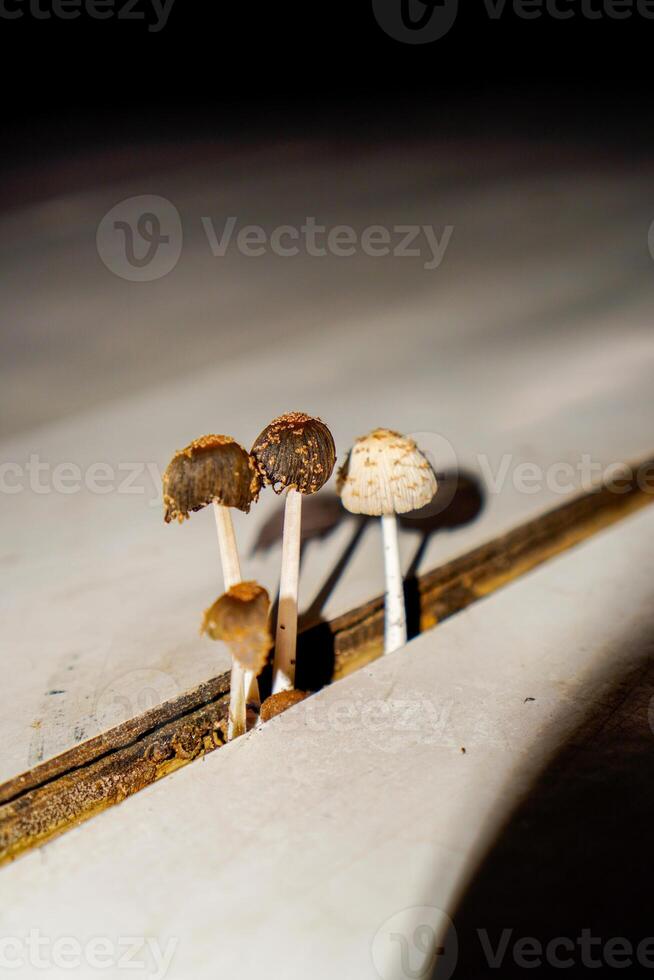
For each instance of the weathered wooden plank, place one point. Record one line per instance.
(73, 787)
(535, 344)
(308, 841)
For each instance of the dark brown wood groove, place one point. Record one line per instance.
(66, 790)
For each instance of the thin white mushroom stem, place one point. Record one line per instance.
(227, 545)
(244, 690)
(286, 634)
(243, 686)
(237, 720)
(395, 635)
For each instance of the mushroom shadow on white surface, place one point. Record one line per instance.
(322, 514)
(575, 857)
(459, 501)
(463, 503)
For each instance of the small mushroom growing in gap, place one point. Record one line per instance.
(385, 474)
(296, 454)
(276, 704)
(240, 618)
(214, 470)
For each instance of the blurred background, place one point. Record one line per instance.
(329, 112)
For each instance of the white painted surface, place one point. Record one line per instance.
(533, 339)
(342, 823)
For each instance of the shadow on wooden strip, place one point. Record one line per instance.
(66, 790)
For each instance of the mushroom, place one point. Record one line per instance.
(296, 454)
(276, 704)
(240, 618)
(214, 470)
(385, 474)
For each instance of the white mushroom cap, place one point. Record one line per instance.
(385, 473)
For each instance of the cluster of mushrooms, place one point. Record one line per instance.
(384, 474)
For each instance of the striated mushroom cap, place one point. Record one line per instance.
(295, 450)
(212, 468)
(385, 473)
(240, 619)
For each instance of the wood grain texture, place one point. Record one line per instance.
(71, 788)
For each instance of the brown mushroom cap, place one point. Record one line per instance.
(212, 468)
(385, 473)
(240, 619)
(277, 703)
(297, 451)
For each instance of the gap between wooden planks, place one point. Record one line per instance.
(66, 790)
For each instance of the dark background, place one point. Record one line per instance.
(219, 69)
